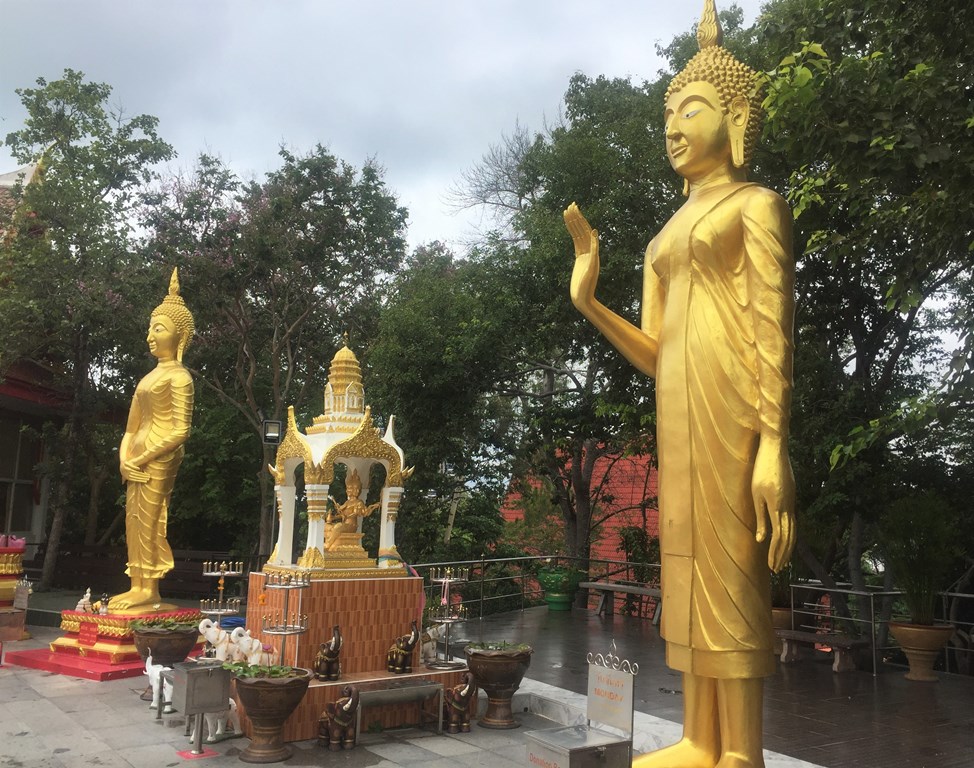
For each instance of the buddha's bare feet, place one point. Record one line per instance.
(134, 598)
(683, 754)
(737, 760)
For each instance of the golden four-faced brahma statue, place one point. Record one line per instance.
(716, 334)
(152, 450)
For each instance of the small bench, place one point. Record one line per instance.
(396, 691)
(608, 590)
(842, 646)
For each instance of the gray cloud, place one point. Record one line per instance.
(423, 86)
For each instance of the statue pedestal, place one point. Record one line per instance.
(95, 646)
(11, 570)
(372, 613)
(346, 560)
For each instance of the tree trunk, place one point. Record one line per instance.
(58, 508)
(68, 450)
(97, 477)
(454, 503)
(267, 503)
(107, 535)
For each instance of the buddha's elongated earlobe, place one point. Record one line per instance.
(737, 117)
(686, 187)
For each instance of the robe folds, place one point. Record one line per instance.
(161, 412)
(718, 298)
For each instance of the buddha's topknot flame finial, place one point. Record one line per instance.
(709, 32)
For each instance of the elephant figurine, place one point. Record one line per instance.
(154, 671)
(244, 647)
(327, 664)
(217, 637)
(399, 660)
(427, 648)
(221, 725)
(336, 726)
(457, 705)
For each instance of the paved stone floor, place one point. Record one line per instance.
(56, 721)
(845, 720)
(812, 714)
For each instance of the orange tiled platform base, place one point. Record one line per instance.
(372, 613)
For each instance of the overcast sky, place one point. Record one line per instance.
(422, 86)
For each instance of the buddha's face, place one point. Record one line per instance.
(697, 139)
(163, 339)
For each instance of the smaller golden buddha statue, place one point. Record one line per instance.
(344, 517)
(152, 450)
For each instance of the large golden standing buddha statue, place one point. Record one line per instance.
(152, 450)
(716, 334)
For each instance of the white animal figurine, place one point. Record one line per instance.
(427, 650)
(221, 725)
(250, 649)
(240, 644)
(217, 637)
(154, 671)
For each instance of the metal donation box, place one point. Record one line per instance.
(610, 684)
(200, 687)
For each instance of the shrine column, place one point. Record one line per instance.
(317, 495)
(388, 554)
(282, 554)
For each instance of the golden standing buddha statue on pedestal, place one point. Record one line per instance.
(152, 450)
(716, 334)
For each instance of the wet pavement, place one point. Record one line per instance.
(812, 715)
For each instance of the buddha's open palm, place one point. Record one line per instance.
(585, 275)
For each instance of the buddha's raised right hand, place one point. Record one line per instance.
(585, 275)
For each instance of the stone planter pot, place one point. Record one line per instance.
(560, 586)
(167, 646)
(499, 671)
(921, 643)
(269, 702)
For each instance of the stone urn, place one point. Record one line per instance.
(498, 669)
(168, 646)
(269, 702)
(922, 644)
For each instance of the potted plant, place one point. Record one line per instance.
(167, 639)
(560, 583)
(498, 669)
(268, 695)
(918, 544)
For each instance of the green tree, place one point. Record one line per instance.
(74, 291)
(282, 268)
(872, 121)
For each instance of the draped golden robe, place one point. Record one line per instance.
(163, 409)
(720, 305)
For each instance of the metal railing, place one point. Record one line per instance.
(868, 613)
(495, 585)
